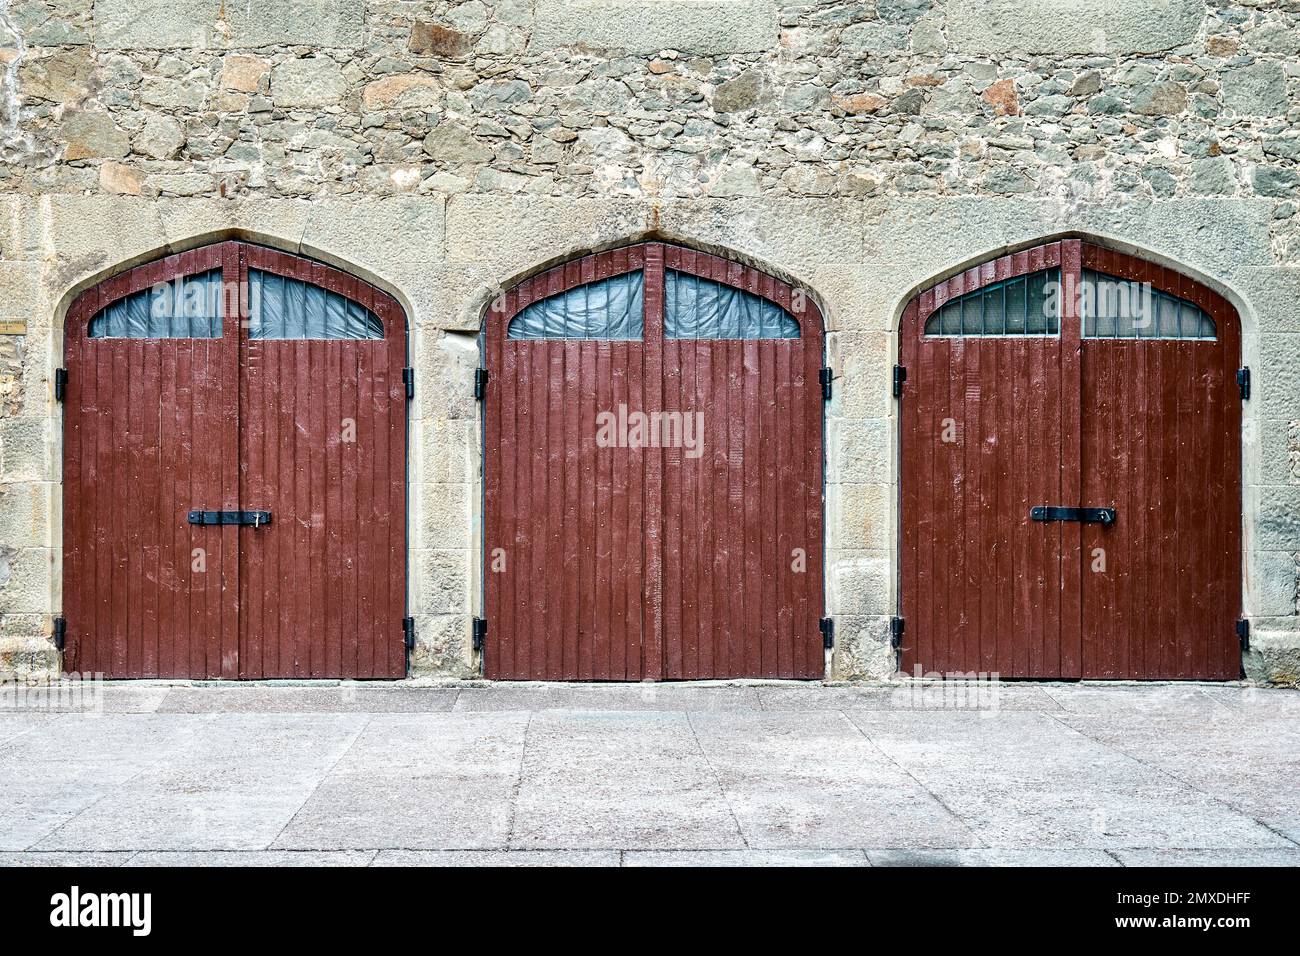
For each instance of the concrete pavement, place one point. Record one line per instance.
(670, 774)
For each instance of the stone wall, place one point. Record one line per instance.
(444, 149)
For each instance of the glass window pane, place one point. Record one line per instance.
(1131, 309)
(1025, 305)
(699, 308)
(280, 307)
(182, 308)
(611, 308)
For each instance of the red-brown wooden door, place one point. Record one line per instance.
(994, 424)
(159, 425)
(630, 563)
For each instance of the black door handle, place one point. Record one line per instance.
(255, 518)
(1086, 515)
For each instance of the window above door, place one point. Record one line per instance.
(652, 290)
(1071, 288)
(189, 307)
(1026, 305)
(611, 308)
(1117, 308)
(236, 290)
(281, 307)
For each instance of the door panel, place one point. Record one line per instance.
(981, 583)
(677, 565)
(144, 590)
(1160, 444)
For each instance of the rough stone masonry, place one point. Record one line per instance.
(862, 148)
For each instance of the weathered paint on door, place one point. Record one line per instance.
(992, 426)
(313, 431)
(623, 563)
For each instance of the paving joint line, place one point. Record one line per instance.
(1241, 811)
(717, 779)
(321, 782)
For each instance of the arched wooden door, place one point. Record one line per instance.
(653, 472)
(1071, 471)
(234, 471)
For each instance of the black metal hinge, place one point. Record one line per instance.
(408, 379)
(408, 632)
(60, 384)
(900, 376)
(479, 633)
(480, 383)
(1243, 633)
(825, 376)
(827, 627)
(1243, 382)
(895, 632)
(60, 632)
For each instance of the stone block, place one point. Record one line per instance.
(29, 658)
(455, 146)
(91, 134)
(25, 580)
(443, 647)
(444, 518)
(1214, 176)
(243, 74)
(199, 24)
(313, 23)
(859, 451)
(795, 238)
(397, 240)
(508, 236)
(121, 179)
(844, 290)
(21, 290)
(279, 223)
(1255, 89)
(1274, 655)
(22, 228)
(463, 291)
(26, 449)
(1273, 295)
(1051, 27)
(434, 39)
(402, 91)
(706, 27)
(863, 373)
(862, 648)
(154, 24)
(441, 582)
(88, 233)
(1279, 456)
(861, 515)
(25, 517)
(444, 375)
(1273, 584)
(447, 450)
(161, 137)
(309, 82)
(179, 184)
(860, 582)
(1277, 525)
(1278, 376)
